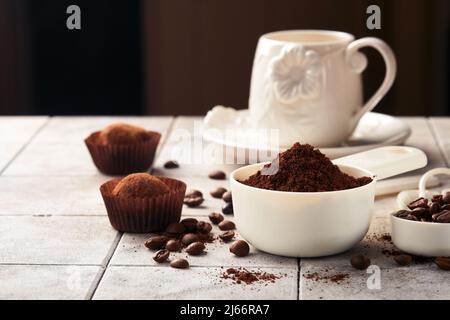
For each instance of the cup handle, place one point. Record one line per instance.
(358, 62)
(427, 176)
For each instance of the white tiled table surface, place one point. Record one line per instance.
(56, 241)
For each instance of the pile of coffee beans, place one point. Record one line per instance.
(437, 210)
(191, 236)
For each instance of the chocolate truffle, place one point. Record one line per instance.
(122, 133)
(140, 185)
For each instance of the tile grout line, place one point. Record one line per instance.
(93, 288)
(219, 266)
(49, 264)
(435, 136)
(25, 145)
(95, 284)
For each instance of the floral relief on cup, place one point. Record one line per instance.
(296, 74)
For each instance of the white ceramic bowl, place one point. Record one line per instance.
(426, 239)
(302, 224)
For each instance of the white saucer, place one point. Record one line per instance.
(374, 130)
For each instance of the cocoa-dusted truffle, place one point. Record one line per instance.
(122, 133)
(140, 185)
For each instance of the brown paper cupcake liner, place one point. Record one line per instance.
(123, 159)
(143, 215)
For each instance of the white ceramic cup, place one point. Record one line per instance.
(314, 224)
(426, 239)
(307, 84)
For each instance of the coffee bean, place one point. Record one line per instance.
(445, 207)
(195, 248)
(444, 217)
(190, 224)
(205, 237)
(227, 208)
(360, 261)
(240, 248)
(215, 217)
(403, 259)
(193, 202)
(435, 207)
(446, 197)
(204, 227)
(411, 217)
(217, 175)
(161, 255)
(227, 196)
(179, 264)
(418, 203)
(189, 238)
(175, 228)
(443, 263)
(193, 193)
(171, 164)
(401, 213)
(419, 212)
(226, 225)
(436, 215)
(438, 198)
(156, 242)
(217, 192)
(173, 245)
(227, 236)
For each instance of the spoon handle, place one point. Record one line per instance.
(386, 162)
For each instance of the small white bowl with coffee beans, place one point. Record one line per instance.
(422, 226)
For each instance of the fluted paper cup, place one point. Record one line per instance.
(143, 215)
(123, 159)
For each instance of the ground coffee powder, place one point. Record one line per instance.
(303, 169)
(242, 275)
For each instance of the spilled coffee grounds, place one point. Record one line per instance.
(242, 275)
(303, 169)
(334, 278)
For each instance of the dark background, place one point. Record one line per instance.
(185, 56)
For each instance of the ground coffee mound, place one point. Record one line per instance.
(303, 169)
